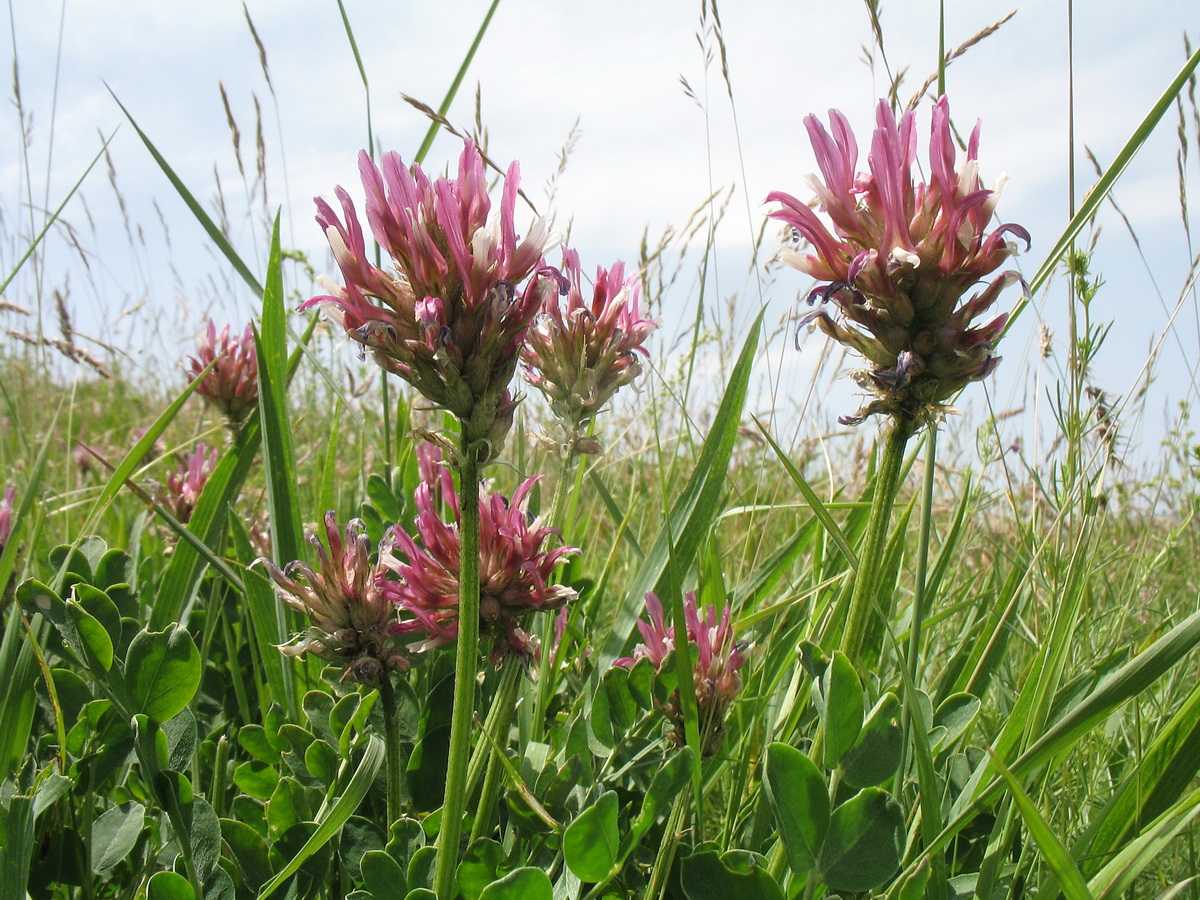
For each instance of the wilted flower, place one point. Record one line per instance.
(899, 258)
(351, 618)
(450, 317)
(231, 386)
(580, 355)
(514, 569)
(185, 483)
(715, 675)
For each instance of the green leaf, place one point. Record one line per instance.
(954, 716)
(520, 884)
(842, 714)
(382, 876)
(865, 841)
(114, 834)
(336, 814)
(622, 710)
(876, 755)
(279, 456)
(666, 784)
(591, 842)
(1055, 855)
(799, 800)
(736, 875)
(169, 886)
(421, 866)
(249, 852)
(162, 670)
(482, 864)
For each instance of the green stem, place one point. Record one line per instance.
(665, 857)
(545, 685)
(866, 578)
(498, 721)
(391, 743)
(918, 613)
(466, 666)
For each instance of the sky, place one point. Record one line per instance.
(657, 130)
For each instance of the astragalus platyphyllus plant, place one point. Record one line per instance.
(184, 483)
(231, 386)
(450, 314)
(715, 674)
(515, 566)
(352, 618)
(897, 255)
(580, 352)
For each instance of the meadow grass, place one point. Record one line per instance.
(1026, 723)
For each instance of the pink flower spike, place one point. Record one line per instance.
(231, 385)
(899, 258)
(514, 574)
(579, 354)
(434, 319)
(715, 675)
(351, 618)
(185, 483)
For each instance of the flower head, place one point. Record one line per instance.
(450, 316)
(514, 570)
(351, 617)
(715, 675)
(231, 386)
(580, 353)
(898, 256)
(185, 483)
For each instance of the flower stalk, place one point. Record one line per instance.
(865, 592)
(391, 742)
(466, 666)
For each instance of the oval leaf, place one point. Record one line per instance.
(590, 842)
(843, 712)
(799, 800)
(520, 884)
(738, 875)
(865, 841)
(163, 670)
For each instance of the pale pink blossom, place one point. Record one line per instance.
(185, 483)
(230, 386)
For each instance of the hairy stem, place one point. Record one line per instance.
(866, 579)
(466, 666)
(391, 742)
(497, 726)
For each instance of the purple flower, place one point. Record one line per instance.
(580, 354)
(352, 619)
(231, 386)
(715, 675)
(898, 256)
(450, 316)
(185, 483)
(514, 573)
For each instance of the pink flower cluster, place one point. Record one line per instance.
(185, 483)
(515, 566)
(450, 316)
(580, 355)
(352, 618)
(898, 256)
(715, 674)
(6, 516)
(231, 386)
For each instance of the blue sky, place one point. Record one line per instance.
(647, 154)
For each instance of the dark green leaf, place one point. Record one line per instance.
(842, 715)
(163, 671)
(591, 842)
(382, 876)
(114, 834)
(799, 800)
(876, 756)
(520, 884)
(249, 852)
(737, 875)
(169, 886)
(866, 838)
